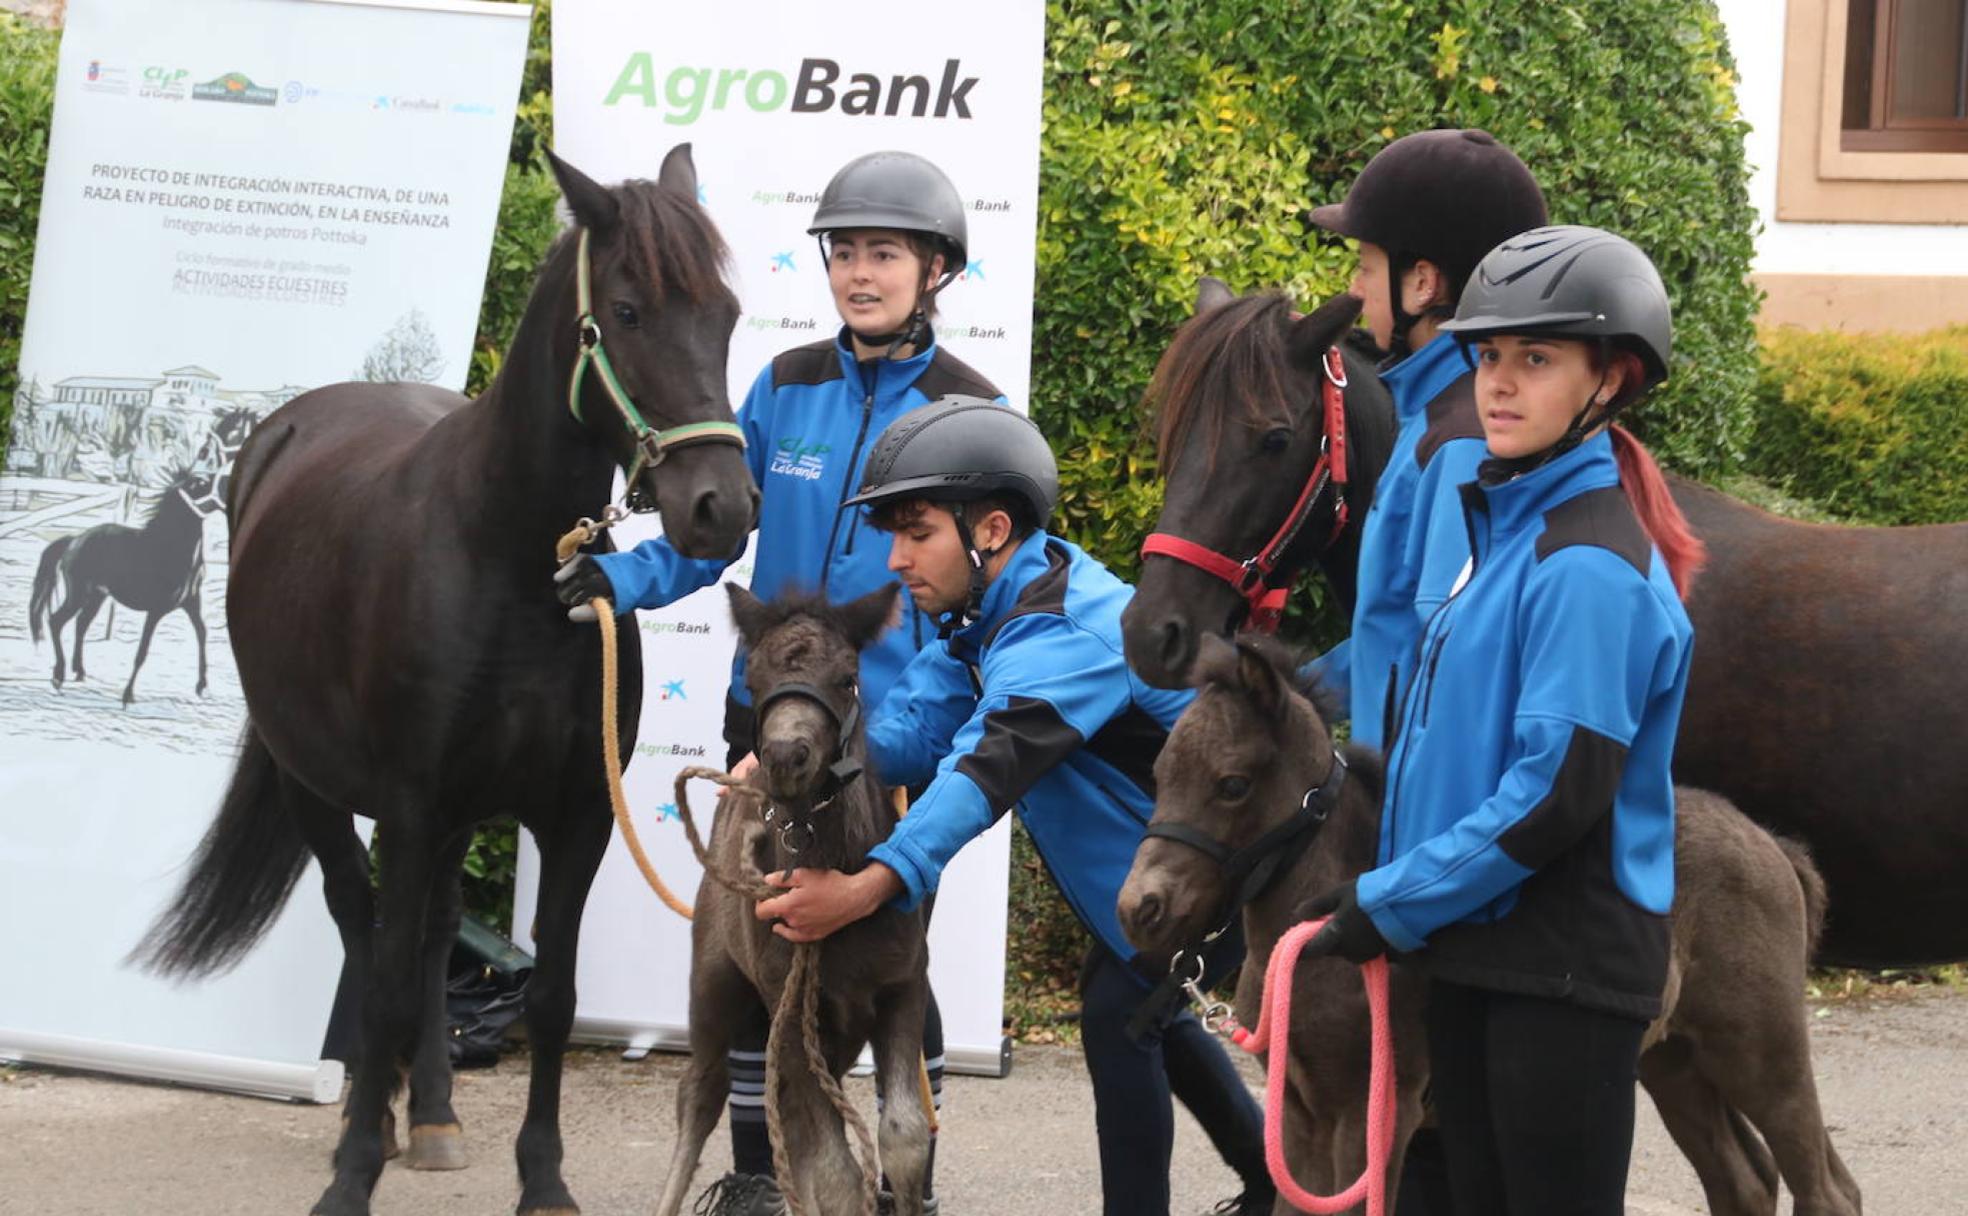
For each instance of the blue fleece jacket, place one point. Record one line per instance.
(1412, 544)
(810, 420)
(1031, 706)
(1527, 833)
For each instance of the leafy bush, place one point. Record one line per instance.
(1867, 425)
(27, 90)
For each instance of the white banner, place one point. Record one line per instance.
(774, 97)
(244, 199)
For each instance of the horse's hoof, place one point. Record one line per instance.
(436, 1146)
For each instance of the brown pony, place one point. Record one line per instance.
(1728, 1062)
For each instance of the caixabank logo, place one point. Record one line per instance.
(685, 92)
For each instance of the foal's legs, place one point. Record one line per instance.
(1765, 1072)
(436, 1139)
(330, 835)
(718, 990)
(571, 845)
(904, 1130)
(391, 1005)
(1737, 1174)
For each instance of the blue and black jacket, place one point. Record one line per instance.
(810, 419)
(1030, 706)
(1412, 545)
(1527, 834)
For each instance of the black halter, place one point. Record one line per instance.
(1248, 871)
(842, 769)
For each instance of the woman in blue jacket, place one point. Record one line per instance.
(892, 233)
(1527, 834)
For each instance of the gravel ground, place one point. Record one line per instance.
(1890, 1073)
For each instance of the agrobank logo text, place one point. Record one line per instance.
(815, 89)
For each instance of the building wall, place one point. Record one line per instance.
(1853, 274)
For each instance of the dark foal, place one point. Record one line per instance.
(403, 656)
(1728, 1063)
(827, 811)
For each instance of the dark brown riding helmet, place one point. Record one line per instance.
(1449, 196)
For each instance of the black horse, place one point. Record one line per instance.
(403, 656)
(1824, 700)
(157, 569)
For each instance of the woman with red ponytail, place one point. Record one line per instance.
(1526, 858)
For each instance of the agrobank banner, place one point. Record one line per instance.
(244, 199)
(773, 98)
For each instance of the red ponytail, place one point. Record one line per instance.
(1646, 490)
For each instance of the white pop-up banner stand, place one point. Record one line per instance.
(773, 98)
(244, 199)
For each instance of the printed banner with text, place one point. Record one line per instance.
(244, 199)
(773, 98)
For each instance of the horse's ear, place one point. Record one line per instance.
(679, 172)
(1211, 293)
(1322, 328)
(1260, 679)
(748, 612)
(593, 206)
(865, 619)
(1215, 663)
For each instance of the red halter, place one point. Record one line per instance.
(1252, 577)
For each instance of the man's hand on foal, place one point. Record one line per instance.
(820, 903)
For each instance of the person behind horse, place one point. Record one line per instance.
(1027, 703)
(891, 230)
(1425, 210)
(1526, 856)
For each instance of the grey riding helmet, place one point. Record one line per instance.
(1571, 282)
(898, 190)
(960, 448)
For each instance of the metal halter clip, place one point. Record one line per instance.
(1215, 1014)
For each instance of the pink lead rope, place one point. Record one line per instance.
(1275, 1014)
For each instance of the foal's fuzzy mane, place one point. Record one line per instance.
(1366, 764)
(798, 602)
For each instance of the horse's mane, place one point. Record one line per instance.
(672, 243)
(1289, 662)
(1228, 358)
(797, 602)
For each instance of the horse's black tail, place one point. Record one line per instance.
(44, 584)
(1813, 883)
(241, 876)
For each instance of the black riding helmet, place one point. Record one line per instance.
(1574, 282)
(960, 448)
(1447, 196)
(955, 450)
(1568, 281)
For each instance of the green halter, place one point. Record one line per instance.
(652, 445)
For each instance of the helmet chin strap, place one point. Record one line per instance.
(916, 329)
(1497, 470)
(974, 596)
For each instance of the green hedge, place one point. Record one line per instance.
(1869, 426)
(27, 89)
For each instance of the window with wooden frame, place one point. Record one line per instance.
(1906, 76)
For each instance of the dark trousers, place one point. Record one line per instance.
(1534, 1098)
(1134, 1078)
